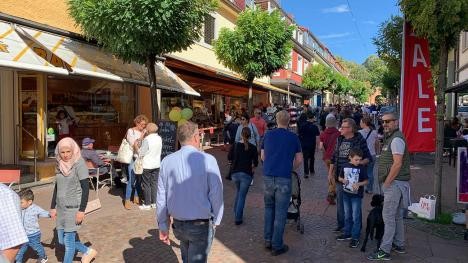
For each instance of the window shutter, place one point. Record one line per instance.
(209, 29)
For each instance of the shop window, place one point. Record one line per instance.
(465, 41)
(299, 65)
(209, 29)
(102, 110)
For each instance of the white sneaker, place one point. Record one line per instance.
(42, 260)
(153, 206)
(123, 180)
(144, 207)
(251, 183)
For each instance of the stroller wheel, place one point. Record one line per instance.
(301, 229)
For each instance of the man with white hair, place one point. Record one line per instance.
(281, 154)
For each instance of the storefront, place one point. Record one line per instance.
(46, 76)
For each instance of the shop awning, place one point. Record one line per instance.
(16, 52)
(232, 76)
(458, 88)
(88, 60)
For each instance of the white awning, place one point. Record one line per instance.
(16, 52)
(89, 60)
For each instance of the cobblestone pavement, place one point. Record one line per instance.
(131, 236)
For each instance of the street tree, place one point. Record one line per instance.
(259, 45)
(376, 68)
(318, 78)
(341, 85)
(441, 22)
(142, 30)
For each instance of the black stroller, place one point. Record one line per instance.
(294, 209)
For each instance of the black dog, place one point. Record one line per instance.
(374, 222)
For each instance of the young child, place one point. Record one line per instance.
(30, 214)
(354, 178)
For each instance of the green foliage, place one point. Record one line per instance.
(258, 46)
(438, 20)
(317, 77)
(376, 68)
(360, 91)
(356, 71)
(342, 85)
(133, 30)
(388, 42)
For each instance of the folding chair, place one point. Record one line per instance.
(10, 177)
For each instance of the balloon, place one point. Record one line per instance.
(176, 108)
(187, 113)
(181, 121)
(174, 115)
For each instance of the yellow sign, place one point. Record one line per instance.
(4, 47)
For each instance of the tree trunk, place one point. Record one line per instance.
(155, 113)
(250, 102)
(442, 79)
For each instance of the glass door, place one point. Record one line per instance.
(31, 109)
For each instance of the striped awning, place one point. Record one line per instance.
(17, 52)
(89, 60)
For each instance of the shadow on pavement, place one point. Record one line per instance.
(149, 249)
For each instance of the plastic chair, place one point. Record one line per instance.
(10, 177)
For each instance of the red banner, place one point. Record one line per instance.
(417, 106)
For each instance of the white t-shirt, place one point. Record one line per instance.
(371, 140)
(133, 135)
(398, 146)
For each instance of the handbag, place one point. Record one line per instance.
(138, 166)
(125, 153)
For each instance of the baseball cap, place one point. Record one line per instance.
(87, 141)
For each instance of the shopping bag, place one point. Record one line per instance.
(125, 153)
(427, 206)
(138, 166)
(93, 205)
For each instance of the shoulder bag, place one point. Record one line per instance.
(125, 153)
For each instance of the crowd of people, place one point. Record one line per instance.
(186, 187)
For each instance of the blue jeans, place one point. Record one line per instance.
(242, 181)
(340, 217)
(370, 174)
(34, 241)
(195, 239)
(72, 244)
(132, 183)
(353, 215)
(276, 198)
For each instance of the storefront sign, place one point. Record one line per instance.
(417, 109)
(168, 132)
(462, 175)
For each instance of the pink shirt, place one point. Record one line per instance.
(260, 124)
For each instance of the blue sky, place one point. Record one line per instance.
(346, 27)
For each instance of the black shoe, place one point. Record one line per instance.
(277, 252)
(343, 237)
(306, 175)
(337, 230)
(354, 243)
(268, 244)
(466, 235)
(238, 223)
(398, 249)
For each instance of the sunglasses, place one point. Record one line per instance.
(243, 119)
(388, 121)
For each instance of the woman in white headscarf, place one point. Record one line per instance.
(70, 199)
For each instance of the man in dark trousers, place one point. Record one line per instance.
(309, 136)
(190, 191)
(281, 154)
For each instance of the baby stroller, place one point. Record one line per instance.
(294, 209)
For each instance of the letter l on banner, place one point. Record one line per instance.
(417, 105)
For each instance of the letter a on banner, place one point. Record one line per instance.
(417, 105)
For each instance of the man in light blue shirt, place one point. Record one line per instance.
(190, 190)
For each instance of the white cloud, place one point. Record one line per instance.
(335, 35)
(336, 9)
(369, 22)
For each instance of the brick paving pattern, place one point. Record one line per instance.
(131, 236)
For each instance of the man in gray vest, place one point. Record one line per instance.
(394, 173)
